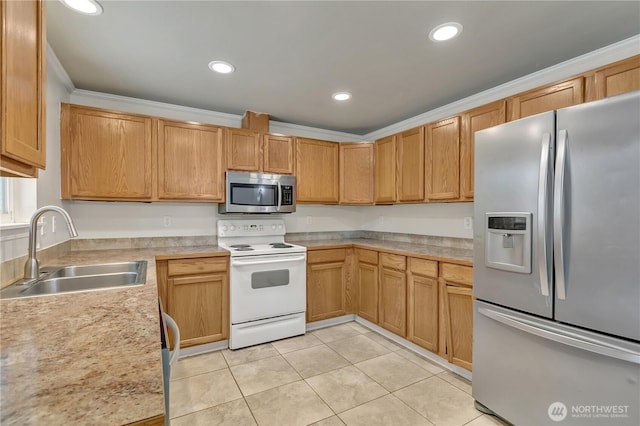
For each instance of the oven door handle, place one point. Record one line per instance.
(264, 262)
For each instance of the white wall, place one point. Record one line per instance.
(442, 219)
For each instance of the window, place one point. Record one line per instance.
(6, 201)
(18, 201)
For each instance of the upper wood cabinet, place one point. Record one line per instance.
(410, 165)
(442, 161)
(422, 303)
(190, 161)
(252, 151)
(385, 170)
(480, 118)
(548, 98)
(326, 284)
(277, 154)
(356, 173)
(243, 149)
(317, 171)
(618, 78)
(22, 53)
(105, 154)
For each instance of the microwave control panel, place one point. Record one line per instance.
(287, 195)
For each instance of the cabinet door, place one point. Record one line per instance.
(190, 162)
(105, 154)
(367, 279)
(393, 301)
(23, 86)
(356, 173)
(199, 305)
(278, 154)
(472, 121)
(317, 171)
(325, 291)
(548, 98)
(243, 150)
(443, 160)
(385, 170)
(458, 306)
(422, 303)
(618, 78)
(410, 172)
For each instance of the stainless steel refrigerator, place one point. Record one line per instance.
(557, 266)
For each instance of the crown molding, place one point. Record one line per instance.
(53, 63)
(290, 129)
(595, 59)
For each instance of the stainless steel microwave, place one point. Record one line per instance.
(248, 192)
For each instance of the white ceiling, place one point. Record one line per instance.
(291, 56)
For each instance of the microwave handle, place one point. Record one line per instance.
(279, 197)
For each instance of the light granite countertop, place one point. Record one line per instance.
(86, 358)
(461, 256)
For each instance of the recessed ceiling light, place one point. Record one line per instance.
(222, 67)
(445, 31)
(88, 7)
(341, 96)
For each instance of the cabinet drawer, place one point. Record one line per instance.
(428, 268)
(393, 261)
(321, 256)
(367, 256)
(457, 273)
(197, 266)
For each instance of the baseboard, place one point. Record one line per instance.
(330, 322)
(203, 349)
(415, 348)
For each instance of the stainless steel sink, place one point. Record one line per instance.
(78, 278)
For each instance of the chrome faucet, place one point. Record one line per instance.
(31, 267)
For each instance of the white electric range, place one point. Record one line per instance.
(267, 280)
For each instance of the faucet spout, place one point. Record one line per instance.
(31, 266)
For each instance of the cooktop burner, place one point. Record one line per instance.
(247, 248)
(239, 246)
(280, 245)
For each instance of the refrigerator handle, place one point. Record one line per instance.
(563, 337)
(542, 214)
(558, 213)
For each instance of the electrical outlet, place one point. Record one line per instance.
(468, 222)
(309, 220)
(166, 221)
(380, 220)
(43, 225)
(53, 224)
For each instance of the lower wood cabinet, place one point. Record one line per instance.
(326, 284)
(367, 284)
(422, 303)
(195, 294)
(456, 283)
(393, 294)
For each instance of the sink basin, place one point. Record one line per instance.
(77, 278)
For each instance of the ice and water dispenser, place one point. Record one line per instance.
(508, 240)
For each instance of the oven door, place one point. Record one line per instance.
(267, 286)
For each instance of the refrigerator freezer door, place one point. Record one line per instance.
(532, 371)
(597, 216)
(514, 164)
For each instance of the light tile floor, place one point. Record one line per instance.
(341, 375)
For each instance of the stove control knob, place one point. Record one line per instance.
(233, 228)
(273, 227)
(279, 226)
(224, 228)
